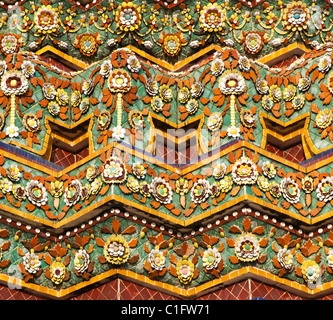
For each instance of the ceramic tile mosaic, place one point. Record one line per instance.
(165, 152)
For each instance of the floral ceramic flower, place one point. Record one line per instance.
(267, 102)
(118, 132)
(106, 68)
(133, 184)
(87, 43)
(219, 171)
(200, 191)
(88, 86)
(157, 104)
(324, 118)
(138, 170)
(49, 91)
(165, 93)
(295, 17)
(290, 190)
(6, 186)
(275, 93)
(119, 81)
(9, 43)
(3, 67)
(197, 89)
(30, 122)
(215, 121)
(161, 190)
(324, 64)
(57, 272)
(72, 194)
(14, 82)
(19, 192)
(211, 258)
(298, 102)
(81, 261)
(233, 132)
(253, 41)
(212, 18)
(56, 188)
(75, 98)
(329, 258)
(275, 189)
(114, 171)
(247, 247)
(185, 271)
(247, 118)
(304, 83)
(261, 86)
(53, 108)
(225, 184)
(244, 171)
(62, 97)
(182, 186)
(325, 189)
(36, 193)
(268, 169)
(192, 106)
(116, 250)
(156, 259)
(133, 64)
(307, 184)
(285, 258)
(92, 172)
(13, 173)
(85, 192)
(31, 262)
(183, 95)
(96, 185)
(244, 64)
(46, 20)
(145, 189)
(263, 183)
(151, 87)
(217, 67)
(12, 131)
(232, 82)
(214, 190)
(84, 105)
(28, 69)
(171, 43)
(128, 17)
(104, 120)
(289, 92)
(310, 271)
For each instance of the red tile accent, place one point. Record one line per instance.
(268, 292)
(294, 153)
(65, 158)
(14, 294)
(286, 62)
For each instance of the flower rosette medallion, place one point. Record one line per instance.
(184, 268)
(116, 249)
(247, 245)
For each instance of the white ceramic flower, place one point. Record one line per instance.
(31, 262)
(12, 131)
(118, 132)
(211, 258)
(233, 132)
(156, 259)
